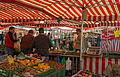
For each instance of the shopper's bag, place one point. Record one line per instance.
(17, 46)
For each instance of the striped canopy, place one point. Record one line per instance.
(16, 13)
(32, 10)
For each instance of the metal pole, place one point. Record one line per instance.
(81, 38)
(107, 38)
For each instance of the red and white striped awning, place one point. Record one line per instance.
(33, 10)
(98, 10)
(15, 13)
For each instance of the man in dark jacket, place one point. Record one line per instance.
(10, 39)
(42, 43)
(26, 42)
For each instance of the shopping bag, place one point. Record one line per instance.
(17, 46)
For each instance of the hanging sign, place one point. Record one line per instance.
(117, 33)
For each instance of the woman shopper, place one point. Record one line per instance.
(10, 39)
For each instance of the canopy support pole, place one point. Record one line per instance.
(81, 50)
(107, 39)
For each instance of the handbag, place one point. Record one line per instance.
(17, 46)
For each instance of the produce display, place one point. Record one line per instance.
(63, 52)
(42, 67)
(57, 51)
(28, 62)
(11, 67)
(85, 74)
(38, 58)
(55, 64)
(28, 72)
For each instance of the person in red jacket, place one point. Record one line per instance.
(10, 39)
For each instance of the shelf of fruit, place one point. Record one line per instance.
(38, 57)
(85, 74)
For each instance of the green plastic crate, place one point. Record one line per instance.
(19, 70)
(53, 74)
(61, 72)
(4, 73)
(45, 73)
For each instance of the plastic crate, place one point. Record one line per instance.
(4, 73)
(46, 72)
(53, 74)
(19, 70)
(61, 72)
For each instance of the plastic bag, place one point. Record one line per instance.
(17, 46)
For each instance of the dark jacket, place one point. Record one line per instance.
(9, 40)
(42, 42)
(27, 41)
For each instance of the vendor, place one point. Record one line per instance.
(10, 39)
(78, 41)
(26, 42)
(98, 41)
(42, 43)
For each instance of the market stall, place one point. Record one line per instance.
(84, 13)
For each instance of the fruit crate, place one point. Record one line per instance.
(27, 59)
(19, 70)
(46, 73)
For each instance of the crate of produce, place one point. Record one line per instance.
(28, 71)
(28, 62)
(11, 67)
(6, 68)
(60, 68)
(45, 68)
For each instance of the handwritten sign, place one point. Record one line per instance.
(117, 33)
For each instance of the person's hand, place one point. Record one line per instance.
(17, 39)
